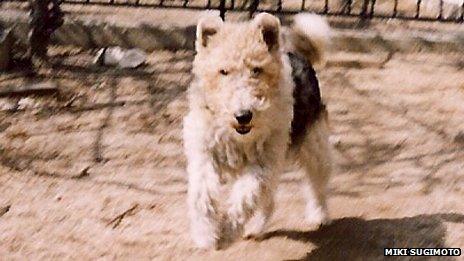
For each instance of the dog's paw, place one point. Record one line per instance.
(251, 235)
(317, 218)
(230, 231)
(255, 237)
(254, 228)
(206, 242)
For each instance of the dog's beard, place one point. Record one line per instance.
(225, 130)
(226, 126)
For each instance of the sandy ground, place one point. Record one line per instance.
(97, 171)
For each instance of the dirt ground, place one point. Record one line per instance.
(97, 171)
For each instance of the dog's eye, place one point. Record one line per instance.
(223, 72)
(256, 71)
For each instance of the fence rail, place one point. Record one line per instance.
(425, 10)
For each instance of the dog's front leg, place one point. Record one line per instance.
(202, 193)
(248, 192)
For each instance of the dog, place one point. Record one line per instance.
(254, 108)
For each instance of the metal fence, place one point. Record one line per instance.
(426, 10)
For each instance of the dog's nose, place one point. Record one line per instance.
(244, 117)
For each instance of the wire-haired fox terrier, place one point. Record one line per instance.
(254, 104)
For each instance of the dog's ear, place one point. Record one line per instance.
(207, 26)
(269, 26)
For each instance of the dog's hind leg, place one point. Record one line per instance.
(315, 161)
(314, 190)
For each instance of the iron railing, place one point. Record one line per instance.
(427, 10)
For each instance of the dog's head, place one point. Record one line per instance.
(238, 67)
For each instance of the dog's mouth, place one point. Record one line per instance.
(243, 129)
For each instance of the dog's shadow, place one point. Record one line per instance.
(359, 239)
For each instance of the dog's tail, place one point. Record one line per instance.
(309, 36)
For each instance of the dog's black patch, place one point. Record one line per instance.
(307, 97)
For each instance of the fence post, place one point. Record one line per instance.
(440, 14)
(461, 19)
(371, 13)
(222, 9)
(45, 17)
(395, 9)
(418, 6)
(253, 7)
(364, 9)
